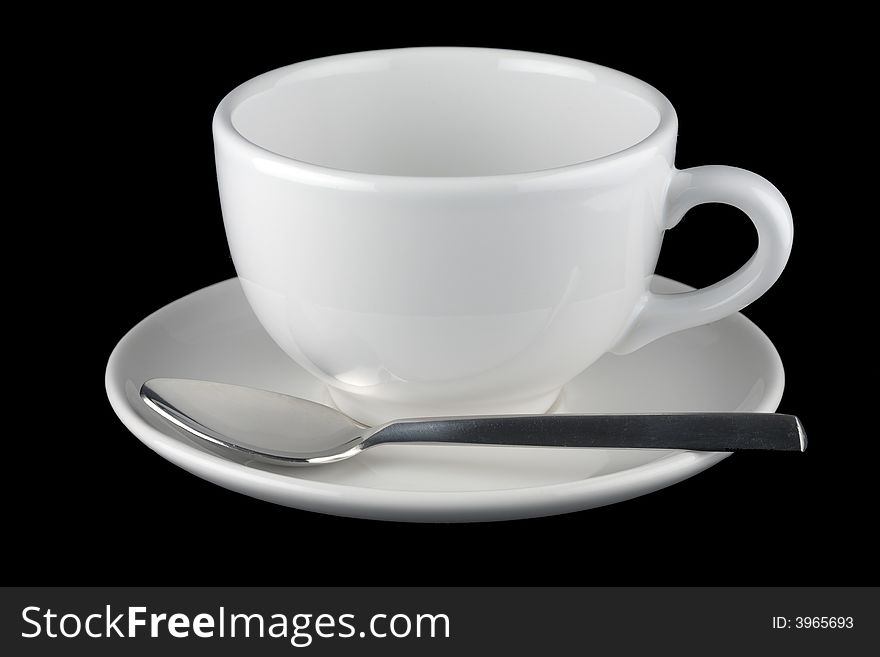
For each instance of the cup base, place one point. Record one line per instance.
(372, 412)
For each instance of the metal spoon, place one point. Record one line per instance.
(280, 429)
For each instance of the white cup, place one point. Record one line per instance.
(461, 230)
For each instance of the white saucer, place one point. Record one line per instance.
(212, 334)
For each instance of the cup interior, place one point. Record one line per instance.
(445, 112)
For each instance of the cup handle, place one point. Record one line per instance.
(661, 314)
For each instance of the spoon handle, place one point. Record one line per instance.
(705, 432)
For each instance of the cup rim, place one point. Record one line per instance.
(299, 170)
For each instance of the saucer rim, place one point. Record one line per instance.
(423, 505)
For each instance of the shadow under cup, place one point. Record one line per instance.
(445, 231)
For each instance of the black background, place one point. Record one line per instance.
(129, 218)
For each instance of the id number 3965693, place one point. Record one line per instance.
(813, 622)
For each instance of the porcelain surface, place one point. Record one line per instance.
(461, 230)
(212, 334)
